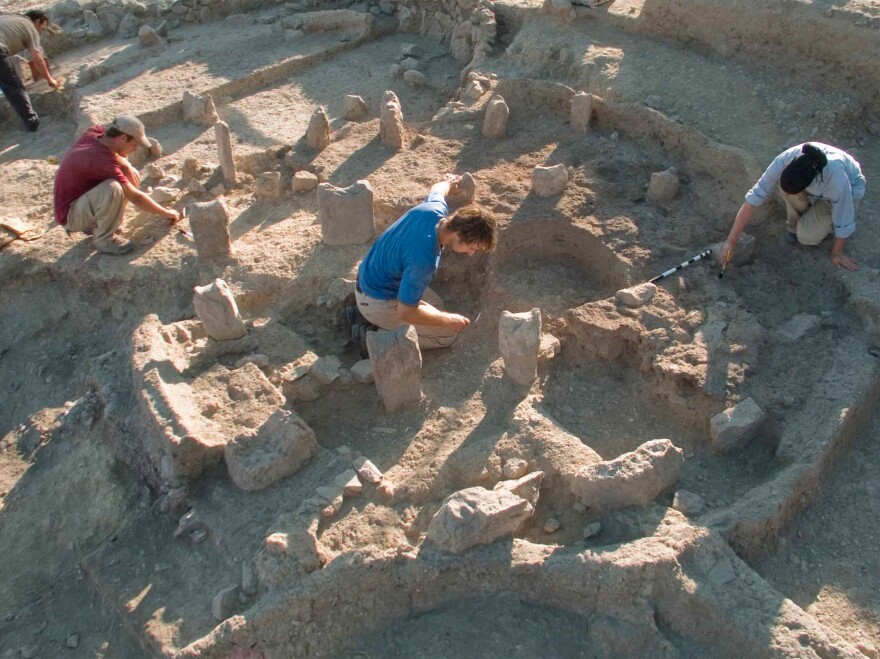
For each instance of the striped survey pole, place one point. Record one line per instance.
(698, 257)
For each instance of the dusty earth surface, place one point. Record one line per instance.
(92, 565)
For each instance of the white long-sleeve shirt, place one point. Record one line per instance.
(841, 183)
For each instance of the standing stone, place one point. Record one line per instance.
(303, 181)
(497, 115)
(664, 186)
(216, 308)
(735, 427)
(128, 27)
(209, 222)
(465, 190)
(269, 185)
(198, 109)
(581, 112)
(397, 366)
(391, 121)
(549, 181)
(519, 337)
(224, 149)
(283, 445)
(346, 214)
(353, 107)
(225, 603)
(318, 132)
(148, 37)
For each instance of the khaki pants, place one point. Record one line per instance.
(811, 222)
(383, 313)
(99, 212)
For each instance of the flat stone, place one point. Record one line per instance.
(326, 369)
(362, 371)
(515, 468)
(476, 516)
(367, 471)
(162, 195)
(632, 479)
(527, 487)
(334, 498)
(592, 530)
(304, 181)
(257, 359)
(688, 503)
(551, 525)
(800, 326)
(415, 78)
(72, 641)
(735, 427)
(283, 445)
(636, 296)
(349, 482)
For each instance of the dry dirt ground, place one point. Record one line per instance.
(91, 566)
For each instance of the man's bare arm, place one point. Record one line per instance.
(146, 203)
(40, 65)
(427, 314)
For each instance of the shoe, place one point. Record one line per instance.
(353, 316)
(359, 337)
(32, 125)
(791, 238)
(117, 245)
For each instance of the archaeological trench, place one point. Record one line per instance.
(196, 462)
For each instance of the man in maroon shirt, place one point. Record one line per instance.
(95, 180)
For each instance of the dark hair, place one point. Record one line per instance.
(113, 131)
(801, 171)
(37, 15)
(474, 226)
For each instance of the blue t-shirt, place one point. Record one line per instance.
(401, 264)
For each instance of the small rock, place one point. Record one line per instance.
(636, 296)
(162, 195)
(326, 369)
(348, 481)
(552, 525)
(592, 530)
(261, 361)
(663, 186)
(333, 496)
(304, 181)
(578, 507)
(29, 651)
(73, 641)
(549, 181)
(367, 471)
(415, 78)
(515, 468)
(688, 503)
(801, 325)
(736, 426)
(353, 107)
(249, 582)
(362, 371)
(148, 37)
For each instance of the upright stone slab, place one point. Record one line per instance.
(549, 181)
(210, 227)
(189, 170)
(353, 107)
(148, 37)
(495, 121)
(224, 151)
(397, 366)
(198, 109)
(318, 132)
(216, 308)
(391, 121)
(581, 111)
(269, 185)
(346, 214)
(519, 338)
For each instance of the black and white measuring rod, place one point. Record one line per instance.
(698, 257)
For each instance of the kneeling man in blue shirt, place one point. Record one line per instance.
(394, 277)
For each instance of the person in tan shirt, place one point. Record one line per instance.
(17, 34)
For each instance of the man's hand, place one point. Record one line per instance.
(726, 253)
(843, 261)
(171, 215)
(456, 322)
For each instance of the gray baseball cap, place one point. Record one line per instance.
(132, 126)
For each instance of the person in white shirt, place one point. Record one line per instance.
(821, 186)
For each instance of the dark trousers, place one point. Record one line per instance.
(13, 89)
